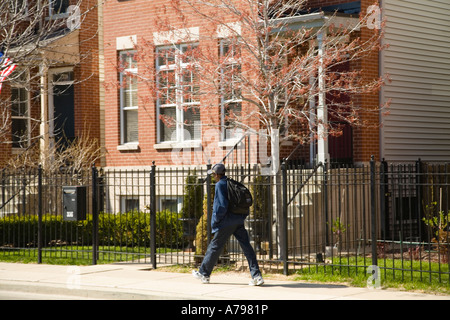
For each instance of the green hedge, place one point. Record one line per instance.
(123, 229)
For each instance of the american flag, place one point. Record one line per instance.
(6, 67)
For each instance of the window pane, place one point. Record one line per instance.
(190, 86)
(60, 6)
(17, 6)
(19, 133)
(166, 56)
(19, 102)
(231, 86)
(188, 53)
(167, 123)
(167, 87)
(192, 124)
(232, 112)
(169, 204)
(63, 77)
(130, 93)
(129, 204)
(131, 126)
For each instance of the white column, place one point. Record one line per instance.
(43, 127)
(322, 111)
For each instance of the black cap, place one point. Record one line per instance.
(218, 168)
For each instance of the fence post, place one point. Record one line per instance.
(283, 222)
(373, 212)
(153, 215)
(383, 201)
(419, 184)
(39, 239)
(325, 203)
(208, 205)
(94, 215)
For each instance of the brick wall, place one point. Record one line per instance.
(87, 103)
(137, 17)
(367, 138)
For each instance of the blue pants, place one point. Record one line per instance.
(218, 242)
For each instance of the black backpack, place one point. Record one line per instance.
(239, 197)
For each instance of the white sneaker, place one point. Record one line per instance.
(198, 275)
(258, 281)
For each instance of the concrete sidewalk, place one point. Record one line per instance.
(132, 281)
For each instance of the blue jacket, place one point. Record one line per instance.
(221, 217)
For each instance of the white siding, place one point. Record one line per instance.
(418, 62)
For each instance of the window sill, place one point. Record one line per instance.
(17, 151)
(128, 146)
(57, 16)
(229, 142)
(177, 145)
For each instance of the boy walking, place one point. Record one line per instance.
(224, 224)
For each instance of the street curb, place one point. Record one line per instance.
(93, 292)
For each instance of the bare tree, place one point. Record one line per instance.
(263, 63)
(79, 155)
(35, 34)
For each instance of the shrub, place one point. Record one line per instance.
(124, 229)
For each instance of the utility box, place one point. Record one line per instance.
(74, 203)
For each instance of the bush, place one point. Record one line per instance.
(124, 229)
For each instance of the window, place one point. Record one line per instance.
(128, 98)
(18, 7)
(170, 203)
(178, 94)
(128, 204)
(61, 105)
(231, 100)
(58, 7)
(20, 118)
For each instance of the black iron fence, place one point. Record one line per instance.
(391, 216)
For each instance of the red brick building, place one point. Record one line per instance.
(133, 133)
(130, 130)
(54, 92)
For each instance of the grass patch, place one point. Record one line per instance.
(408, 275)
(77, 255)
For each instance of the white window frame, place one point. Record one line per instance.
(229, 135)
(127, 144)
(178, 136)
(22, 85)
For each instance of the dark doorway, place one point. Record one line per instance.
(340, 143)
(63, 108)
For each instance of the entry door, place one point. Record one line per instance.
(340, 147)
(63, 107)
